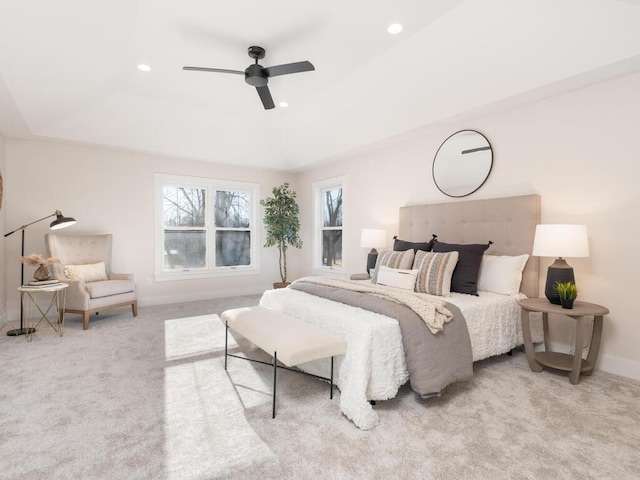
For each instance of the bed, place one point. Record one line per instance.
(378, 360)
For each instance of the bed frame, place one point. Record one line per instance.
(508, 222)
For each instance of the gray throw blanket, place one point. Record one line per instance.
(433, 360)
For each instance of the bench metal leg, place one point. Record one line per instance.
(275, 367)
(331, 380)
(226, 337)
(275, 374)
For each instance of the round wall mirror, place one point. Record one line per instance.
(462, 163)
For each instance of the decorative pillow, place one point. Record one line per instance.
(390, 259)
(465, 276)
(501, 274)
(402, 245)
(434, 272)
(93, 272)
(396, 277)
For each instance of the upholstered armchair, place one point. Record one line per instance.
(85, 264)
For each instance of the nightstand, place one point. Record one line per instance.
(574, 364)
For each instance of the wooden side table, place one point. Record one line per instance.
(574, 364)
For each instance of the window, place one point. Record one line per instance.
(329, 224)
(205, 227)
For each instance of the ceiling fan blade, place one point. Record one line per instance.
(218, 70)
(296, 67)
(265, 96)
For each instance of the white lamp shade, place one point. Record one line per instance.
(373, 238)
(561, 241)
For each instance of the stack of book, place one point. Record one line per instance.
(42, 283)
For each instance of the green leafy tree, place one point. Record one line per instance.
(281, 218)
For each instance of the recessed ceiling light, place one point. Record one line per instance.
(283, 104)
(394, 28)
(144, 68)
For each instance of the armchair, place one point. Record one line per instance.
(90, 293)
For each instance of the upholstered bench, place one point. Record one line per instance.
(290, 341)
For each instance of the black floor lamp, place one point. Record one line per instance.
(60, 222)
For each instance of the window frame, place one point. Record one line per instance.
(318, 227)
(210, 185)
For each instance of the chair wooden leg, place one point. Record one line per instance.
(85, 320)
(134, 308)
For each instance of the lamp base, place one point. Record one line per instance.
(559, 271)
(372, 257)
(20, 331)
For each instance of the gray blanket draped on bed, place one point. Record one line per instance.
(433, 361)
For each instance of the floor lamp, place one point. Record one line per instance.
(60, 222)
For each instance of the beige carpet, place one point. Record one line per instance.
(148, 398)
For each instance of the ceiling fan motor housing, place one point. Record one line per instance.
(254, 75)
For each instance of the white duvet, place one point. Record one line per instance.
(374, 366)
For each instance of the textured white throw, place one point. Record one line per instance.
(432, 311)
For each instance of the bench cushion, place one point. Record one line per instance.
(293, 341)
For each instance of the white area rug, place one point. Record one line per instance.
(148, 398)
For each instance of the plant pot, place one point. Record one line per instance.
(567, 303)
(281, 284)
(42, 273)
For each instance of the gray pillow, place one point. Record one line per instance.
(465, 275)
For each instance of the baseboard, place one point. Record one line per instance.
(619, 366)
(206, 295)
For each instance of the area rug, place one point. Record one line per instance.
(148, 398)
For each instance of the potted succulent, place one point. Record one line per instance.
(281, 218)
(568, 292)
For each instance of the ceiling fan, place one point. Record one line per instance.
(258, 76)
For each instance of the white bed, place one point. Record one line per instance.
(374, 366)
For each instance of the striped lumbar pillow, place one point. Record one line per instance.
(434, 272)
(390, 259)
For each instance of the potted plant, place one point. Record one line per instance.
(41, 273)
(568, 292)
(281, 218)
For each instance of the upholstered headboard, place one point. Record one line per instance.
(509, 222)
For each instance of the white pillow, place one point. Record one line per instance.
(396, 277)
(93, 272)
(501, 273)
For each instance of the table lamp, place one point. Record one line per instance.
(372, 238)
(559, 241)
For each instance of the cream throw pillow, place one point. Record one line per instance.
(395, 277)
(93, 272)
(501, 273)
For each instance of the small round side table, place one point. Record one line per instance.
(54, 307)
(574, 364)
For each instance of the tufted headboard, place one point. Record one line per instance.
(509, 222)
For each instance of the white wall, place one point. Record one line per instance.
(579, 151)
(111, 191)
(3, 261)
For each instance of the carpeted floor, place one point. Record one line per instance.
(148, 398)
